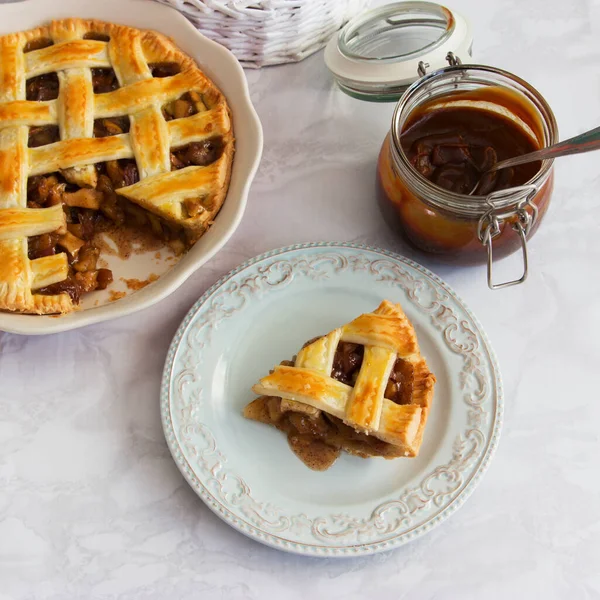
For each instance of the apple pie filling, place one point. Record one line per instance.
(91, 210)
(318, 438)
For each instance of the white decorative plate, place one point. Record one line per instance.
(223, 68)
(262, 313)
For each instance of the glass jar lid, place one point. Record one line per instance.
(381, 52)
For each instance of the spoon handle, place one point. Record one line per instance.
(584, 142)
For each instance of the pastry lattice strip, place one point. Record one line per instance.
(140, 96)
(386, 335)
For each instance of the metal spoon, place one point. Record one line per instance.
(584, 142)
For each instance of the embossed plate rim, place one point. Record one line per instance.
(239, 522)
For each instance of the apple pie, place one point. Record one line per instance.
(364, 389)
(100, 123)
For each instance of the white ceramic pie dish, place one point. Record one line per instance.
(223, 68)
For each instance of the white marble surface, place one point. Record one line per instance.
(91, 504)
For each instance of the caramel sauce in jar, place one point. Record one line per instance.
(448, 129)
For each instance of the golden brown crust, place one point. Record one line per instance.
(387, 335)
(423, 386)
(129, 52)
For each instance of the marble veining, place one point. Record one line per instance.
(91, 504)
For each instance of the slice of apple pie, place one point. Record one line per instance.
(364, 388)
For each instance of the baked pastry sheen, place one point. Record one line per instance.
(99, 120)
(367, 382)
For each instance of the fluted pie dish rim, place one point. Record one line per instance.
(221, 67)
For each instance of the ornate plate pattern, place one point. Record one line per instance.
(261, 313)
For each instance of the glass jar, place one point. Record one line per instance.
(385, 54)
(470, 229)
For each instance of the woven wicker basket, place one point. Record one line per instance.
(269, 32)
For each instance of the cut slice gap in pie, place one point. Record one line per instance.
(364, 389)
(103, 127)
